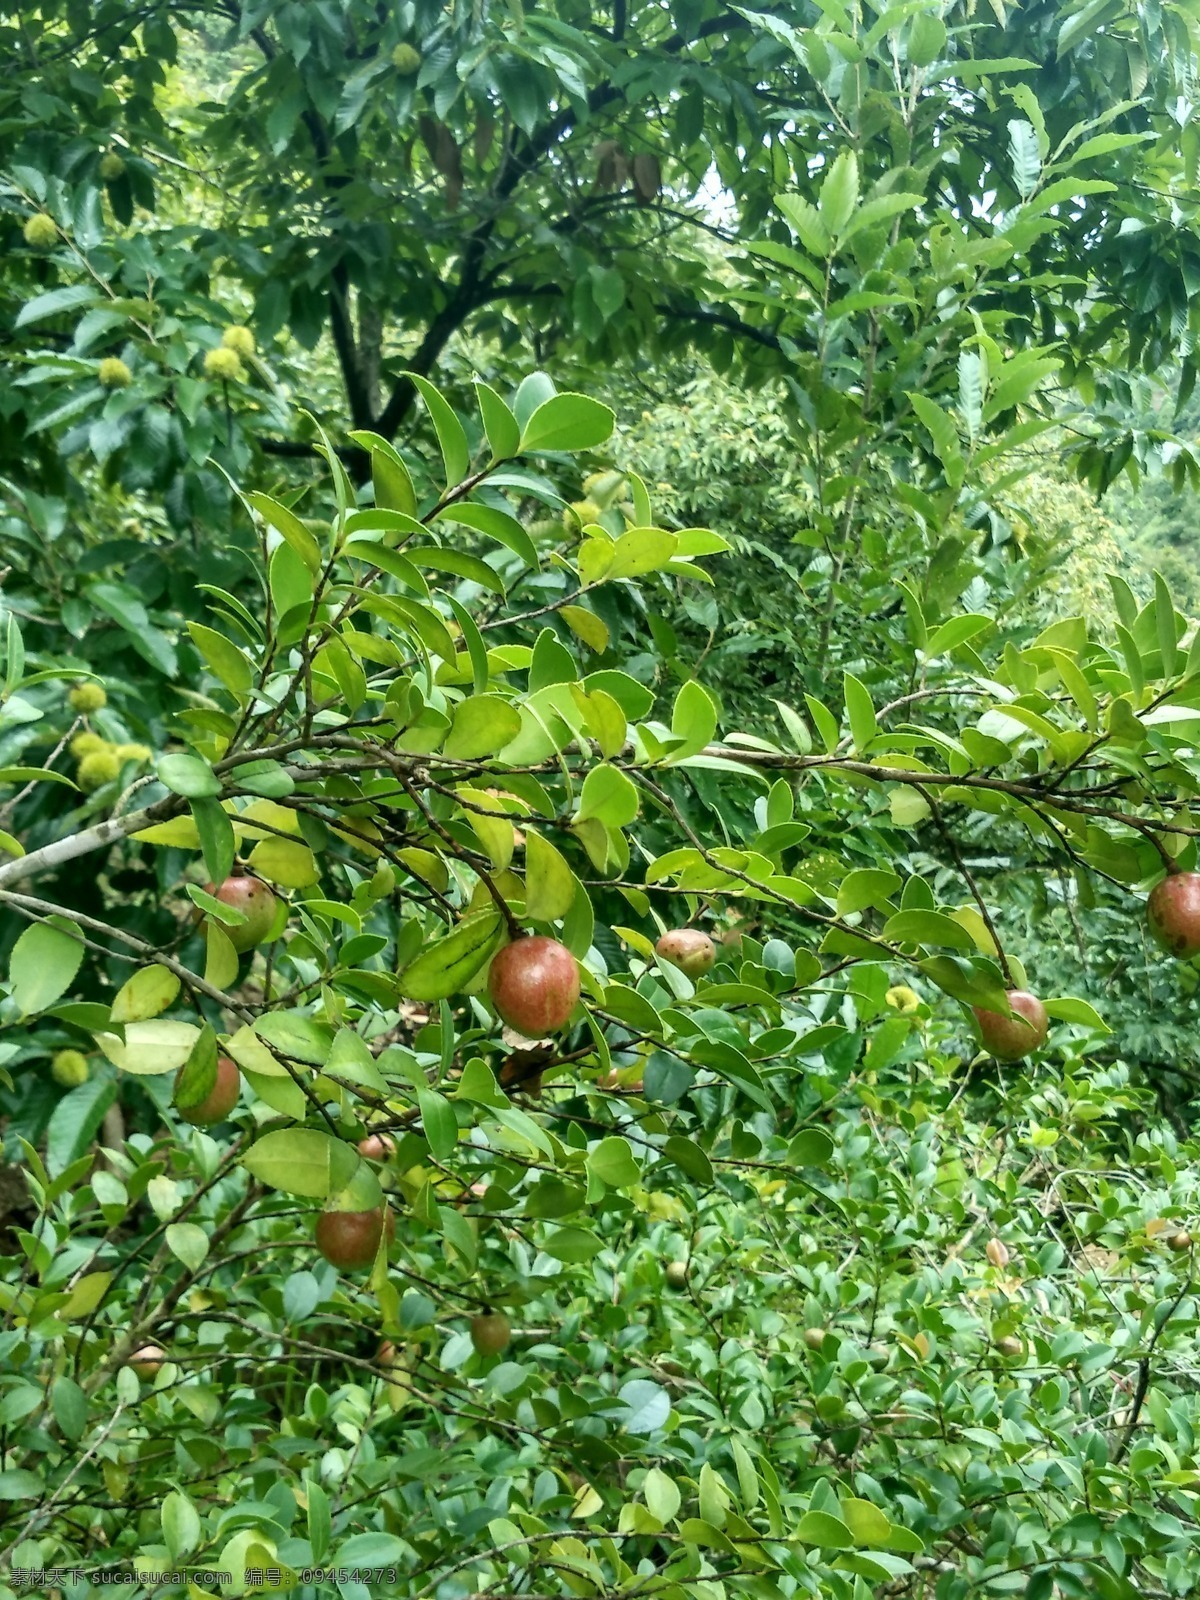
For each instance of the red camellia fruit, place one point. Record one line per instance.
(376, 1147)
(147, 1362)
(1173, 912)
(689, 949)
(534, 985)
(490, 1332)
(1012, 1038)
(350, 1239)
(220, 1099)
(256, 900)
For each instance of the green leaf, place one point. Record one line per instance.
(482, 725)
(199, 1074)
(288, 524)
(217, 841)
(43, 964)
(438, 1122)
(189, 775)
(390, 477)
(188, 1242)
(444, 968)
(180, 1523)
(860, 712)
(612, 1161)
(661, 1495)
(458, 562)
(639, 551)
(568, 422)
(819, 1528)
(609, 796)
(881, 209)
(1068, 1009)
(927, 927)
(1164, 616)
(452, 438)
(839, 193)
(808, 223)
(71, 298)
(147, 994)
(20, 1484)
(303, 1161)
(550, 884)
(150, 1048)
(1025, 155)
(224, 658)
(693, 719)
(502, 428)
(866, 1522)
(572, 1245)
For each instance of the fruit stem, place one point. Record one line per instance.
(965, 871)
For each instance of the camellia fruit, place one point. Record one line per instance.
(1180, 1241)
(1173, 912)
(406, 60)
(97, 769)
(224, 364)
(87, 696)
(114, 374)
(676, 1275)
(255, 899)
(689, 949)
(220, 1099)
(1010, 1345)
(901, 998)
(40, 232)
(350, 1239)
(490, 1332)
(69, 1068)
(147, 1362)
(534, 985)
(240, 340)
(376, 1147)
(814, 1338)
(1012, 1038)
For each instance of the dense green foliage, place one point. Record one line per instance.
(815, 641)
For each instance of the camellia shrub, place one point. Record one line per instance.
(556, 1152)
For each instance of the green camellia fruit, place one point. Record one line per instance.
(69, 1068)
(40, 232)
(252, 897)
(1182, 1240)
(1173, 913)
(350, 1239)
(676, 1275)
(240, 340)
(814, 1338)
(1012, 1038)
(534, 985)
(490, 1332)
(689, 949)
(220, 1099)
(85, 697)
(97, 769)
(114, 374)
(224, 364)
